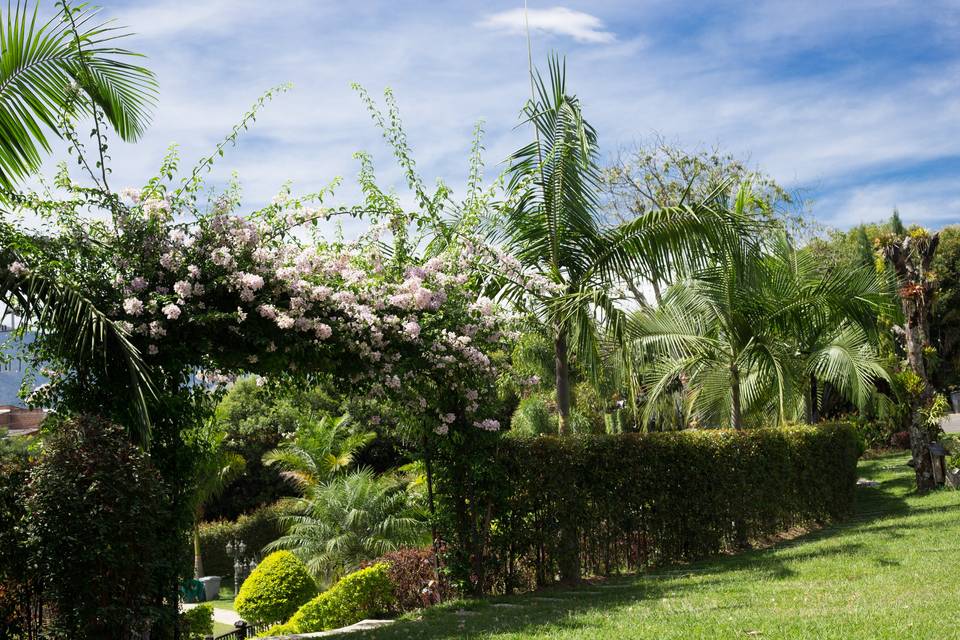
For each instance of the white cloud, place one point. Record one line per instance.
(580, 26)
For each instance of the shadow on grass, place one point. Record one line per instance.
(557, 609)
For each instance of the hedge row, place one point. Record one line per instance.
(255, 530)
(539, 509)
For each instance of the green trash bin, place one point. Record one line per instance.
(192, 591)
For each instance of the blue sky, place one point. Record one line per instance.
(853, 103)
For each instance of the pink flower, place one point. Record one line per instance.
(412, 329)
(133, 306)
(448, 418)
(488, 425)
(172, 311)
(183, 289)
(323, 331)
(194, 271)
(442, 430)
(152, 350)
(18, 269)
(139, 283)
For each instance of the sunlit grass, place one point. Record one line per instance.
(888, 572)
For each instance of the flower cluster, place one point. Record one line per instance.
(251, 299)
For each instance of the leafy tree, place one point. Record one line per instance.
(256, 418)
(52, 71)
(96, 527)
(656, 174)
(551, 230)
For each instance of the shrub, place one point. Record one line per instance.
(534, 416)
(256, 530)
(411, 571)
(360, 595)
(96, 522)
(197, 623)
(900, 440)
(520, 511)
(275, 589)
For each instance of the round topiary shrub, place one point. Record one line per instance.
(360, 595)
(275, 590)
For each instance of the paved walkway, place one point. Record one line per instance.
(951, 424)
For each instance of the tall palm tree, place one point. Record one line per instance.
(569, 264)
(214, 474)
(66, 66)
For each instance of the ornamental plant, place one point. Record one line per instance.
(275, 589)
(358, 596)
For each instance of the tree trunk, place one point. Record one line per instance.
(563, 380)
(197, 558)
(911, 258)
(915, 312)
(813, 410)
(737, 417)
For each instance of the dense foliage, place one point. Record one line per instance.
(95, 508)
(275, 589)
(362, 594)
(415, 582)
(667, 497)
(256, 530)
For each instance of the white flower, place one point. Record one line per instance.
(183, 289)
(18, 269)
(131, 194)
(323, 331)
(172, 311)
(133, 306)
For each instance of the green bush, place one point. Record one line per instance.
(256, 530)
(96, 529)
(275, 589)
(534, 416)
(519, 511)
(357, 596)
(197, 623)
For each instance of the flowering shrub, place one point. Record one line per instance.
(230, 293)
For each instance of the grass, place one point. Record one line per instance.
(890, 571)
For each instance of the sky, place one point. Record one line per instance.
(852, 104)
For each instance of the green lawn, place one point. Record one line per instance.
(891, 571)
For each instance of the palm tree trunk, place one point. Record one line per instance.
(562, 364)
(737, 417)
(813, 412)
(197, 558)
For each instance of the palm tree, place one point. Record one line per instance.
(350, 519)
(75, 331)
(53, 70)
(753, 334)
(321, 449)
(567, 263)
(214, 474)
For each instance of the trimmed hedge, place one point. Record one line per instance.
(355, 597)
(522, 511)
(256, 530)
(275, 589)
